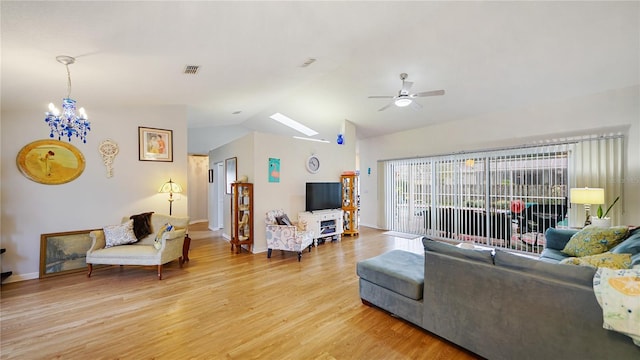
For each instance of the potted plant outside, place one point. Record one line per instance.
(602, 220)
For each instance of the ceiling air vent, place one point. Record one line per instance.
(308, 62)
(191, 69)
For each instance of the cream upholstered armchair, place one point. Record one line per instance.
(161, 242)
(282, 234)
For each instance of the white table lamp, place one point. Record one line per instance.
(587, 197)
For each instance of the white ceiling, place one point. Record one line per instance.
(488, 56)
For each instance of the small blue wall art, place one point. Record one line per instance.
(274, 170)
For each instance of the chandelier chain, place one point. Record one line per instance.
(68, 81)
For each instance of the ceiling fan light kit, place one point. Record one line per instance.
(404, 98)
(402, 101)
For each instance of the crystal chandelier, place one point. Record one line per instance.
(67, 123)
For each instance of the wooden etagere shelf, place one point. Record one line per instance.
(241, 216)
(350, 203)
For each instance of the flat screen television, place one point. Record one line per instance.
(323, 196)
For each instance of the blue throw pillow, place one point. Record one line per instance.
(631, 245)
(558, 238)
(283, 220)
(635, 260)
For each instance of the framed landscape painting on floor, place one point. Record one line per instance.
(64, 252)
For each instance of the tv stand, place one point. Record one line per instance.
(324, 224)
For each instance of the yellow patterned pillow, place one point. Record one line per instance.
(606, 260)
(302, 225)
(595, 240)
(165, 228)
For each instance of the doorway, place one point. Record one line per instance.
(216, 201)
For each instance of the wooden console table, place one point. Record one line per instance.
(323, 223)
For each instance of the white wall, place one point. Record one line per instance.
(198, 180)
(203, 140)
(595, 114)
(253, 152)
(30, 209)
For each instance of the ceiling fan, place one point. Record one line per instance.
(404, 98)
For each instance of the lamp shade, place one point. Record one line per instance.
(170, 187)
(587, 196)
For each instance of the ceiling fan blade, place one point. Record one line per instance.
(429, 93)
(386, 106)
(381, 97)
(415, 106)
(406, 86)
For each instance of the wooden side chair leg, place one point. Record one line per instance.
(185, 247)
(159, 272)
(90, 270)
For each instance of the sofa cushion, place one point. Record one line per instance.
(397, 270)
(595, 240)
(484, 256)
(552, 255)
(130, 254)
(607, 260)
(630, 245)
(575, 274)
(558, 238)
(119, 234)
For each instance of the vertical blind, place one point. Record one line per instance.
(505, 197)
(598, 163)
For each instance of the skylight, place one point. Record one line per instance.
(311, 139)
(293, 124)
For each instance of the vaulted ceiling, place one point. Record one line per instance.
(487, 56)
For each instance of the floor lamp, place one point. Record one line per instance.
(170, 187)
(587, 197)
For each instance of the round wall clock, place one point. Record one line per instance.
(50, 162)
(313, 164)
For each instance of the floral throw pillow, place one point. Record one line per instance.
(594, 240)
(122, 234)
(606, 260)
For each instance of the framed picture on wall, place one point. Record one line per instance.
(50, 162)
(155, 144)
(274, 170)
(230, 172)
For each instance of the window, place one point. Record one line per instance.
(505, 198)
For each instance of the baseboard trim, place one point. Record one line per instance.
(21, 277)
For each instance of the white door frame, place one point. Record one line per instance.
(217, 196)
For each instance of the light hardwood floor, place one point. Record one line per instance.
(220, 305)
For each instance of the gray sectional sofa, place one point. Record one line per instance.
(495, 304)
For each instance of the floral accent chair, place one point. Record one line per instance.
(282, 234)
